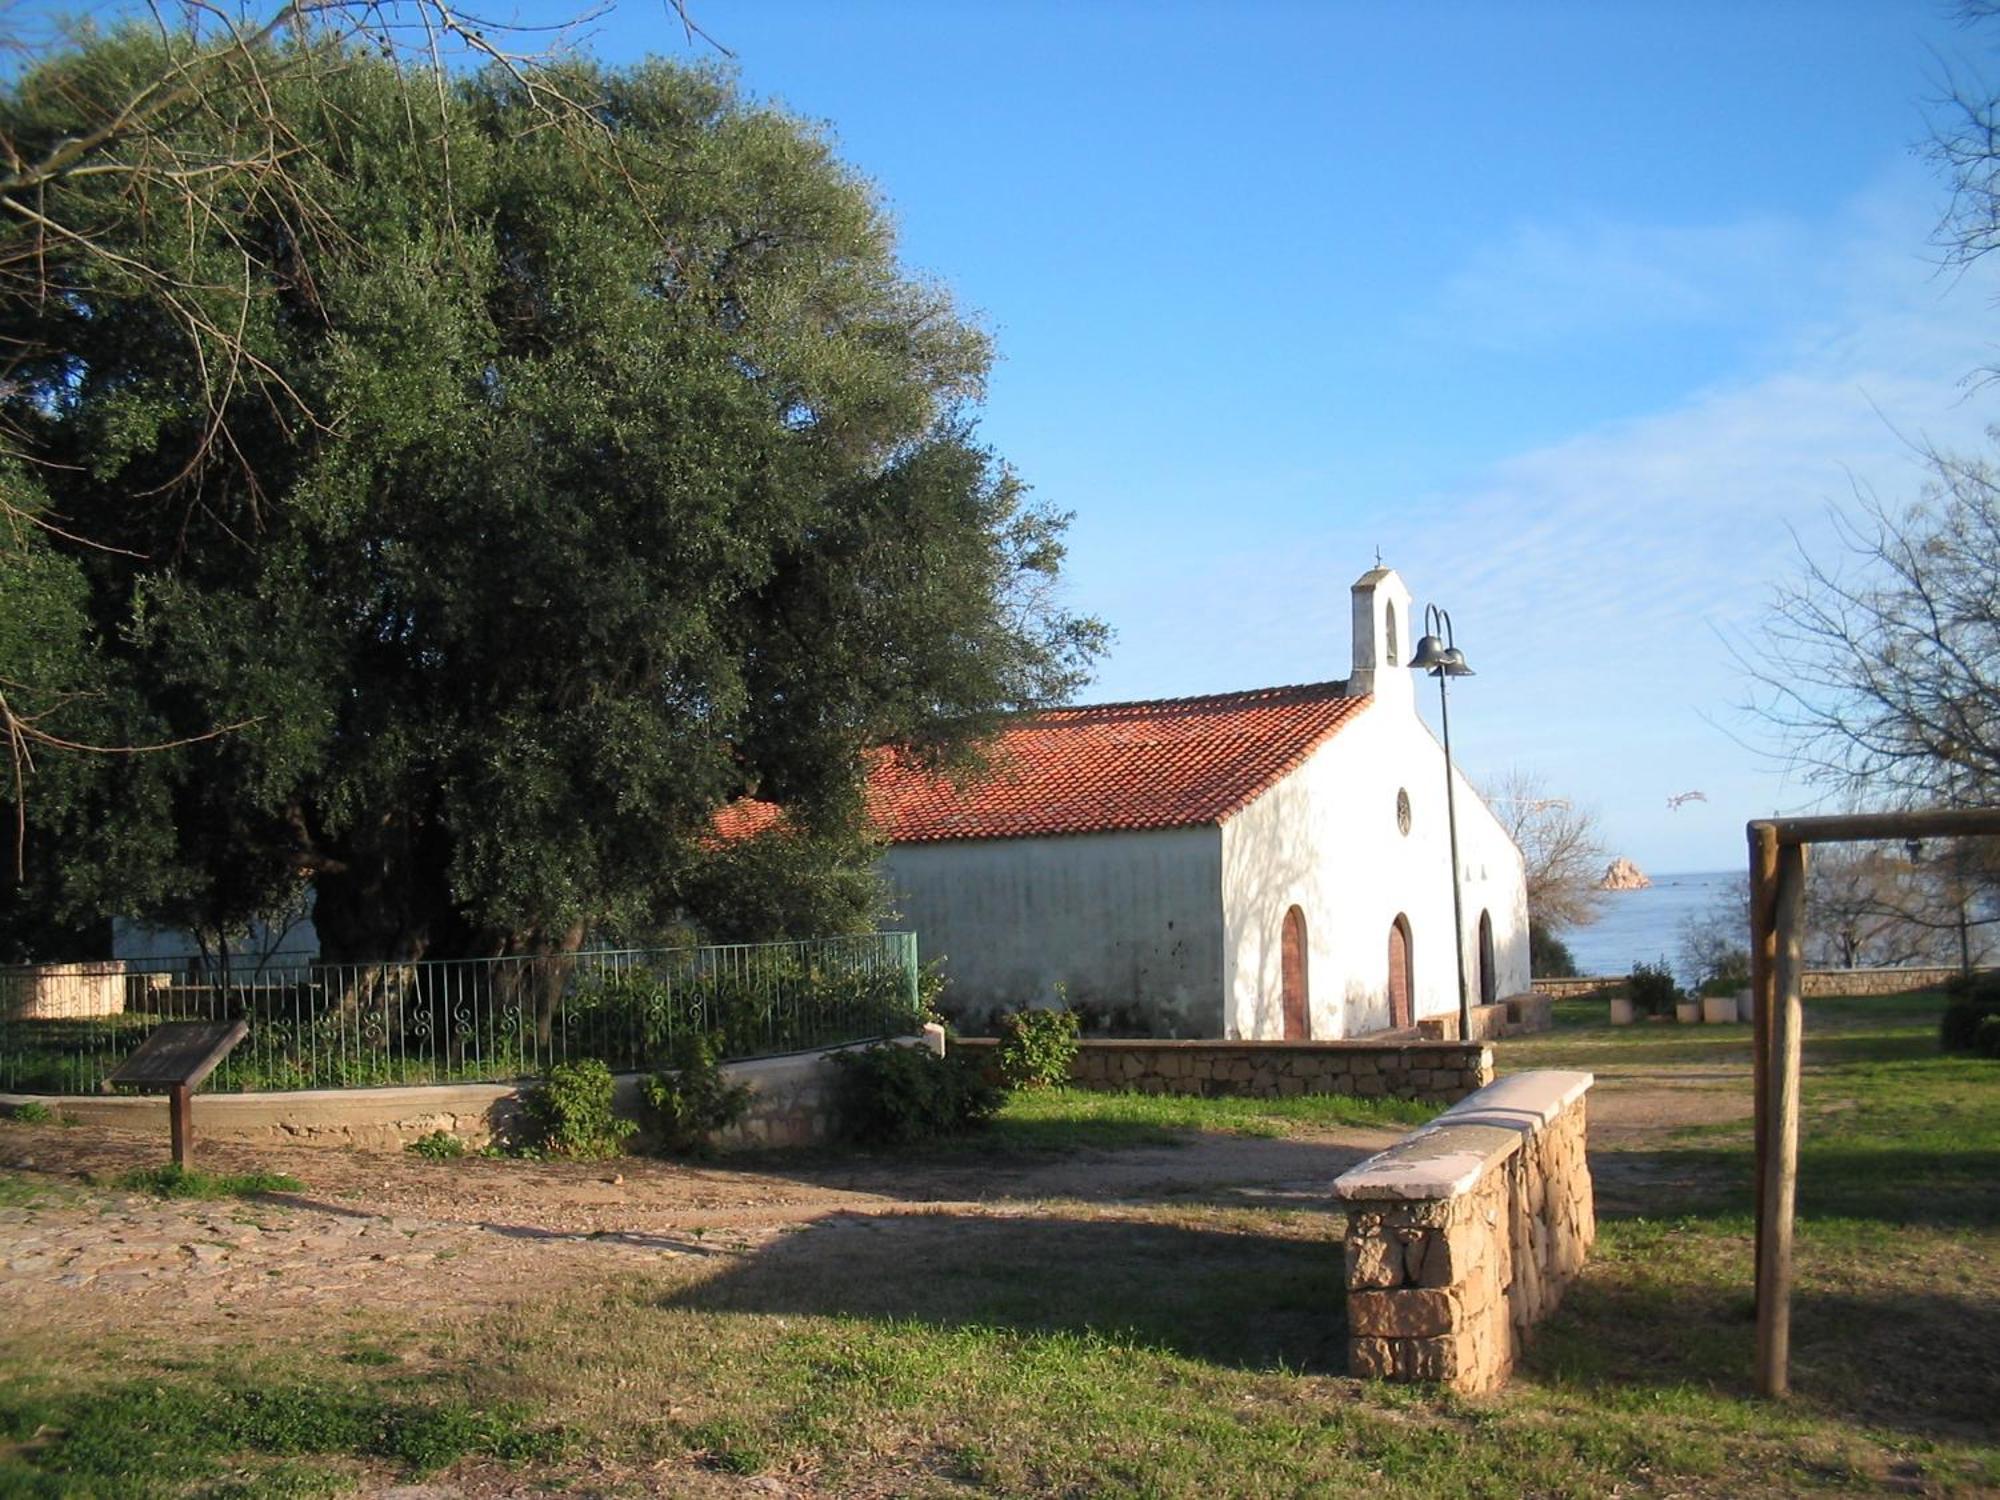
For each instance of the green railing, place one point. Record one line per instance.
(63, 1027)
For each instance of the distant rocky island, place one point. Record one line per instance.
(1623, 875)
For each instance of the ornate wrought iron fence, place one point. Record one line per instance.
(63, 1027)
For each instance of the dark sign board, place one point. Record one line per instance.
(179, 1054)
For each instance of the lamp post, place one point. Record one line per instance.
(1439, 656)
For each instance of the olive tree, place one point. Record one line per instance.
(559, 480)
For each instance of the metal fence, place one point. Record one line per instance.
(63, 1027)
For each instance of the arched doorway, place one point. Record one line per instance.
(1489, 981)
(1400, 984)
(1292, 956)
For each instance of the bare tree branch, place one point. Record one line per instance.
(1561, 848)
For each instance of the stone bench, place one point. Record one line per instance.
(1463, 1235)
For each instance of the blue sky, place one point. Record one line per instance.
(1579, 312)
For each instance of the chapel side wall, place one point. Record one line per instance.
(1119, 920)
(1496, 882)
(1325, 839)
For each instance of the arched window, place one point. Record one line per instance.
(1389, 614)
(1489, 980)
(1292, 959)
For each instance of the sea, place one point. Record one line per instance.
(1644, 926)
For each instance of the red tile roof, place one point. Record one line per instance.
(1169, 763)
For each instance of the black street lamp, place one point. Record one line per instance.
(1439, 656)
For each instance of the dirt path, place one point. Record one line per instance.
(395, 1233)
(392, 1231)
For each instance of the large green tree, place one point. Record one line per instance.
(527, 484)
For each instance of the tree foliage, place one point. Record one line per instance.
(528, 486)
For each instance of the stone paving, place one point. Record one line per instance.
(64, 1254)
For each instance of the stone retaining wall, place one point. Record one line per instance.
(1515, 1016)
(792, 1104)
(1817, 982)
(1582, 987)
(1433, 1071)
(1465, 1234)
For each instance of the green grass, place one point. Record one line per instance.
(1070, 1119)
(1032, 1348)
(210, 1431)
(18, 1190)
(171, 1181)
(1185, 1351)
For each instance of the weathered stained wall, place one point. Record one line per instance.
(1116, 919)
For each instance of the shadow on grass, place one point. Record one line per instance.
(1252, 1301)
(1185, 1168)
(1924, 1360)
(1894, 1188)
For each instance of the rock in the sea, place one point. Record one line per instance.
(1623, 875)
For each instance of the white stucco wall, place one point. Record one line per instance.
(1116, 918)
(1325, 839)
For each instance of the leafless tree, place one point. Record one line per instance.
(1880, 668)
(1867, 907)
(1560, 848)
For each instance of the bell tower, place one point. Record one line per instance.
(1384, 637)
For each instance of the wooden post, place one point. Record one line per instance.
(1763, 980)
(180, 1111)
(1777, 1183)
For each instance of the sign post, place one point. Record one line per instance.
(174, 1059)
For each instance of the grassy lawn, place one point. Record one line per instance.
(1079, 1348)
(1070, 1119)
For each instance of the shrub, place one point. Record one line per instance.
(1652, 988)
(1986, 1037)
(1981, 987)
(1959, 1031)
(1037, 1048)
(33, 1112)
(894, 1095)
(1725, 984)
(569, 1112)
(1548, 955)
(691, 1100)
(439, 1145)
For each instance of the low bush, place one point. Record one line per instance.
(1960, 1029)
(690, 1100)
(1982, 986)
(894, 1095)
(1724, 984)
(33, 1112)
(1037, 1048)
(1652, 988)
(569, 1112)
(1986, 1037)
(1548, 955)
(439, 1145)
